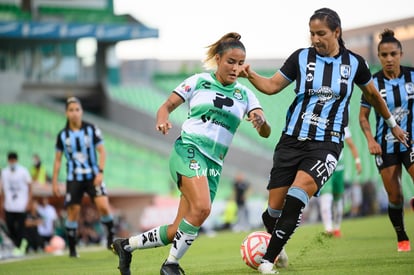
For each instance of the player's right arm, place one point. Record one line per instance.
(163, 113)
(56, 167)
(373, 147)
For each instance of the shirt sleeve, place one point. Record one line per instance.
(290, 68)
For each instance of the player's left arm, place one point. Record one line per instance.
(100, 148)
(259, 122)
(374, 98)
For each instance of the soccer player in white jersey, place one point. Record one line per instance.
(17, 193)
(217, 104)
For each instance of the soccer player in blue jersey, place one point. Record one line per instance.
(217, 104)
(312, 140)
(82, 145)
(396, 87)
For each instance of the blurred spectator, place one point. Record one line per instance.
(17, 194)
(229, 215)
(31, 234)
(90, 229)
(38, 171)
(49, 216)
(241, 188)
(123, 228)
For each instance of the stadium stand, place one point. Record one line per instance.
(29, 129)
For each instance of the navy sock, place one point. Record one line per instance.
(396, 216)
(285, 226)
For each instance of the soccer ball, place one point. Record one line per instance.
(254, 247)
(56, 245)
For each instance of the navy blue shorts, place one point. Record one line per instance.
(317, 158)
(76, 189)
(386, 160)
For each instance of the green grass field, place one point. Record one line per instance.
(368, 246)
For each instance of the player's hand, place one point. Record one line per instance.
(55, 190)
(244, 71)
(97, 181)
(400, 135)
(257, 119)
(374, 148)
(164, 127)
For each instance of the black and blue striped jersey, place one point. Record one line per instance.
(398, 93)
(323, 90)
(79, 148)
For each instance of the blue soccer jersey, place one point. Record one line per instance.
(398, 93)
(323, 90)
(79, 149)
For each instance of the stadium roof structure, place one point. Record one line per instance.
(62, 23)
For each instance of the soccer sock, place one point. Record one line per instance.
(152, 238)
(71, 228)
(396, 215)
(338, 212)
(270, 217)
(296, 200)
(325, 208)
(108, 221)
(183, 239)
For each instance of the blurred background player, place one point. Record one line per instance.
(80, 142)
(331, 204)
(395, 85)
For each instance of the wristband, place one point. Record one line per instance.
(357, 160)
(391, 122)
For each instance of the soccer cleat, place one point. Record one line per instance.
(337, 233)
(171, 269)
(124, 256)
(267, 267)
(73, 254)
(109, 241)
(404, 246)
(282, 260)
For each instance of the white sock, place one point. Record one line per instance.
(181, 243)
(338, 211)
(325, 206)
(148, 239)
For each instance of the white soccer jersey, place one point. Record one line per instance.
(214, 113)
(16, 188)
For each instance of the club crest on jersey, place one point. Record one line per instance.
(409, 87)
(194, 165)
(345, 71)
(237, 94)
